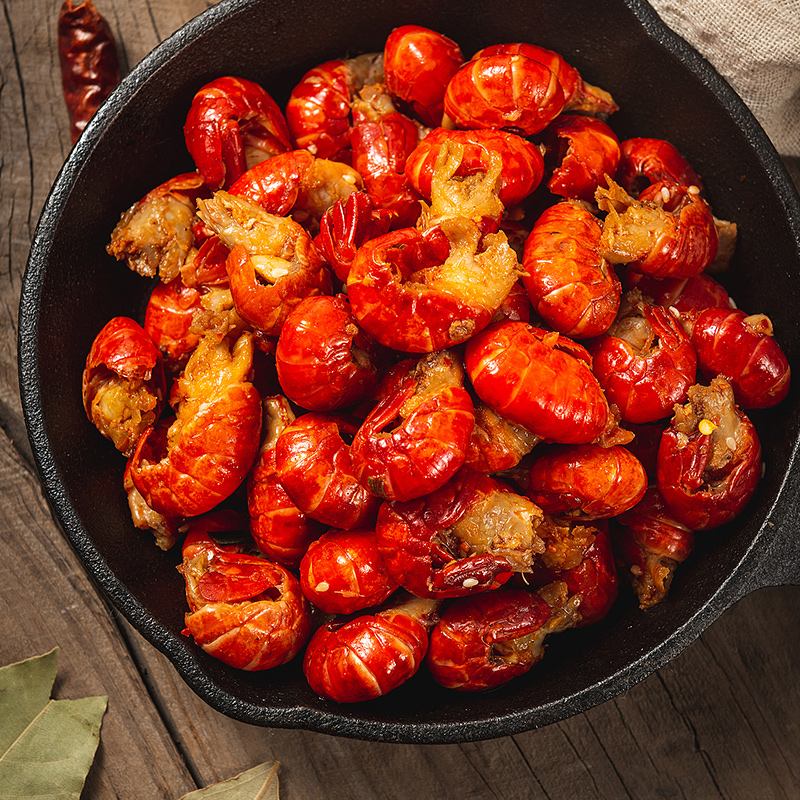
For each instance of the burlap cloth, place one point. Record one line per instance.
(755, 46)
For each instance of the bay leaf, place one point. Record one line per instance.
(259, 783)
(46, 746)
(24, 691)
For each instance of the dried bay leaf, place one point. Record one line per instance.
(259, 783)
(24, 690)
(46, 746)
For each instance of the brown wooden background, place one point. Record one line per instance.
(721, 720)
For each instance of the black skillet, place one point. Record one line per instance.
(71, 288)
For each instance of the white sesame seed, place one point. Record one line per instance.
(470, 582)
(731, 442)
(322, 586)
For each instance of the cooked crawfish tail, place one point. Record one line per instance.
(343, 572)
(580, 151)
(418, 64)
(233, 124)
(279, 527)
(349, 661)
(541, 381)
(273, 263)
(344, 227)
(168, 322)
(579, 96)
(586, 481)
(123, 383)
(709, 460)
(417, 435)
(669, 232)
(504, 90)
(646, 161)
(522, 163)
(165, 530)
(155, 236)
(299, 184)
(427, 289)
(570, 285)
(649, 545)
(743, 349)
(208, 449)
(469, 536)
(645, 361)
(319, 113)
(488, 639)
(382, 139)
(315, 466)
(245, 610)
(593, 580)
(323, 359)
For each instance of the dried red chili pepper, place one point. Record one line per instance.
(89, 64)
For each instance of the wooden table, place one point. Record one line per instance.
(721, 720)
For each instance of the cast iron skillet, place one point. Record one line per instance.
(71, 288)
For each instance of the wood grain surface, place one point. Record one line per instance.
(721, 720)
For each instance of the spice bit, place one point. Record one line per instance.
(706, 427)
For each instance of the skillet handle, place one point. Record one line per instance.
(779, 562)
